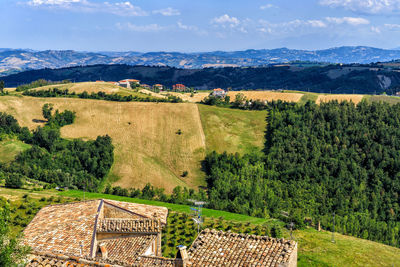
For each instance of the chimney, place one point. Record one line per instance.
(103, 250)
(182, 258)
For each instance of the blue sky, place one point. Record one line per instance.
(202, 25)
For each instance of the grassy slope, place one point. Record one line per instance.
(147, 148)
(315, 248)
(384, 98)
(232, 130)
(10, 148)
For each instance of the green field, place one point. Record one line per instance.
(10, 148)
(233, 130)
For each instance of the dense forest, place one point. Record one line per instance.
(52, 159)
(366, 79)
(318, 160)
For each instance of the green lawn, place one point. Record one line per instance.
(174, 207)
(10, 148)
(316, 249)
(233, 130)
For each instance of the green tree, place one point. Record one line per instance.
(1, 86)
(47, 110)
(12, 251)
(14, 180)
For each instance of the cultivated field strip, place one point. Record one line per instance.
(340, 98)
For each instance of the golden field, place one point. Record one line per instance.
(147, 147)
(260, 95)
(90, 87)
(267, 95)
(197, 97)
(326, 98)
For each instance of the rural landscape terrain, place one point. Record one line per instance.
(202, 133)
(164, 145)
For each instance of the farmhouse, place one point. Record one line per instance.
(158, 87)
(113, 233)
(127, 83)
(218, 92)
(179, 87)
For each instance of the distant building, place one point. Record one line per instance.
(115, 83)
(127, 83)
(99, 81)
(145, 86)
(397, 94)
(218, 92)
(179, 87)
(158, 86)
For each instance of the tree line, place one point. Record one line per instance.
(319, 160)
(55, 92)
(38, 83)
(242, 102)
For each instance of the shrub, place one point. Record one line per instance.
(14, 180)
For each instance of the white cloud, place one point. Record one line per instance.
(316, 23)
(52, 2)
(392, 26)
(267, 6)
(125, 8)
(226, 20)
(186, 27)
(348, 20)
(375, 29)
(122, 9)
(365, 6)
(169, 11)
(139, 28)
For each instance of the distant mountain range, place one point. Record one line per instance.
(14, 60)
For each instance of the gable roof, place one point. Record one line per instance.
(70, 228)
(65, 227)
(217, 248)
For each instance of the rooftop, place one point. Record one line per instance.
(113, 233)
(218, 248)
(125, 230)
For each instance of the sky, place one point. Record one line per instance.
(197, 26)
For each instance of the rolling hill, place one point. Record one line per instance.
(350, 79)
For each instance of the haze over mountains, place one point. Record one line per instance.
(15, 60)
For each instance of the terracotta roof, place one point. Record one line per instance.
(129, 80)
(218, 89)
(42, 259)
(127, 249)
(71, 228)
(155, 261)
(217, 248)
(65, 227)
